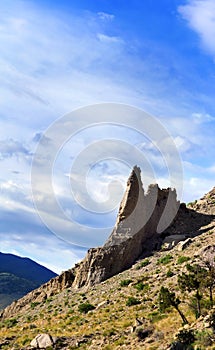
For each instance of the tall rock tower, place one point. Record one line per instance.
(131, 210)
(135, 232)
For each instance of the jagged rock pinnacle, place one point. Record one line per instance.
(130, 198)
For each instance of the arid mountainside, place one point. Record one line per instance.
(18, 276)
(110, 299)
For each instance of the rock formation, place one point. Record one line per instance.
(138, 220)
(143, 222)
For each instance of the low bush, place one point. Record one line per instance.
(85, 307)
(169, 273)
(182, 259)
(125, 283)
(165, 259)
(11, 322)
(132, 301)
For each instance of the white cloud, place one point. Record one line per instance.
(196, 187)
(106, 16)
(200, 15)
(182, 144)
(109, 39)
(200, 118)
(10, 148)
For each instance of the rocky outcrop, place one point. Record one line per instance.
(139, 219)
(206, 204)
(143, 221)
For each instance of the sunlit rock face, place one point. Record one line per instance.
(140, 220)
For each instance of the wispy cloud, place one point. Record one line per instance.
(10, 148)
(200, 15)
(109, 39)
(106, 16)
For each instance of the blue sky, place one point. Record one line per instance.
(59, 56)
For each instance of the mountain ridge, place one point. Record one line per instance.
(19, 276)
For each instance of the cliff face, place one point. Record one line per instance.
(141, 219)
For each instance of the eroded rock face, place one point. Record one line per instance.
(139, 219)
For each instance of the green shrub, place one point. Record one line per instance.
(26, 341)
(204, 338)
(182, 259)
(145, 262)
(85, 307)
(109, 332)
(169, 273)
(34, 304)
(125, 283)
(165, 259)
(48, 300)
(11, 322)
(139, 286)
(132, 301)
(186, 336)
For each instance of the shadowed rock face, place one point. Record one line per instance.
(142, 223)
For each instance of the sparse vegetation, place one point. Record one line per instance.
(191, 204)
(34, 304)
(143, 263)
(85, 307)
(169, 273)
(131, 295)
(125, 283)
(165, 259)
(11, 322)
(192, 282)
(132, 301)
(182, 259)
(186, 336)
(168, 299)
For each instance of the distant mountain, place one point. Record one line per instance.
(18, 276)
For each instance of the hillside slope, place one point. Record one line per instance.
(112, 321)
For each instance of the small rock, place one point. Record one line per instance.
(184, 244)
(102, 304)
(43, 341)
(207, 324)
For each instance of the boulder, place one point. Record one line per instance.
(43, 341)
(170, 242)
